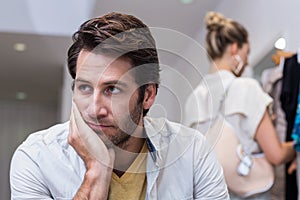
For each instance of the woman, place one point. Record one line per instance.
(246, 106)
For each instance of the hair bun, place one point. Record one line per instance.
(214, 20)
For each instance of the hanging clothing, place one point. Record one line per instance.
(289, 91)
(296, 129)
(271, 80)
(289, 102)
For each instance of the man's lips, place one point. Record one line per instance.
(101, 127)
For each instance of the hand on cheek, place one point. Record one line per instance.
(87, 143)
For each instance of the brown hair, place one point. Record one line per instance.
(222, 32)
(120, 35)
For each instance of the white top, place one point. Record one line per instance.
(244, 106)
(180, 165)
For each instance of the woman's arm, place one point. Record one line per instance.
(276, 152)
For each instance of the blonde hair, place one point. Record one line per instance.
(222, 32)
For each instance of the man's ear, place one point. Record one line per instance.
(149, 96)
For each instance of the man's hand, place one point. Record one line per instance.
(97, 157)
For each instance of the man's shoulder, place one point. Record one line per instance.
(55, 134)
(163, 128)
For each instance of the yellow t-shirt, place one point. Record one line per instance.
(132, 184)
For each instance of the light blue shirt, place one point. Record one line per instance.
(180, 165)
(296, 128)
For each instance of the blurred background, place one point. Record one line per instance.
(35, 88)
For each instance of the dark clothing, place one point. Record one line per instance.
(289, 95)
(289, 91)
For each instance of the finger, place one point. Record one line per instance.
(84, 130)
(78, 118)
(292, 168)
(71, 126)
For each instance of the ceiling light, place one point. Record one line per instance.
(280, 44)
(186, 1)
(21, 95)
(19, 47)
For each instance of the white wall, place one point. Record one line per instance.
(265, 20)
(66, 96)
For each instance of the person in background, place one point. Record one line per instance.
(110, 149)
(227, 45)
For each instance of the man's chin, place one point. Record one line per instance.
(108, 143)
(111, 138)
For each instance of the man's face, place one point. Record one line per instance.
(107, 97)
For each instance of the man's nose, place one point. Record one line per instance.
(98, 108)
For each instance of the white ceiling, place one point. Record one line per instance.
(38, 71)
(172, 14)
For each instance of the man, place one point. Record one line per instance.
(110, 149)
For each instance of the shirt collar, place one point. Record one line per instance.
(157, 137)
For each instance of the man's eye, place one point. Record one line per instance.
(113, 90)
(85, 88)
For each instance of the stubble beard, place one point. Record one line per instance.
(122, 135)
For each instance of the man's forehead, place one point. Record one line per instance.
(86, 57)
(91, 59)
(91, 65)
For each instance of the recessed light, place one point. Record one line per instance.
(21, 95)
(186, 1)
(20, 47)
(280, 43)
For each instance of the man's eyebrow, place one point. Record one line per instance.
(111, 82)
(81, 80)
(115, 82)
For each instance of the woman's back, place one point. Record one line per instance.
(244, 105)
